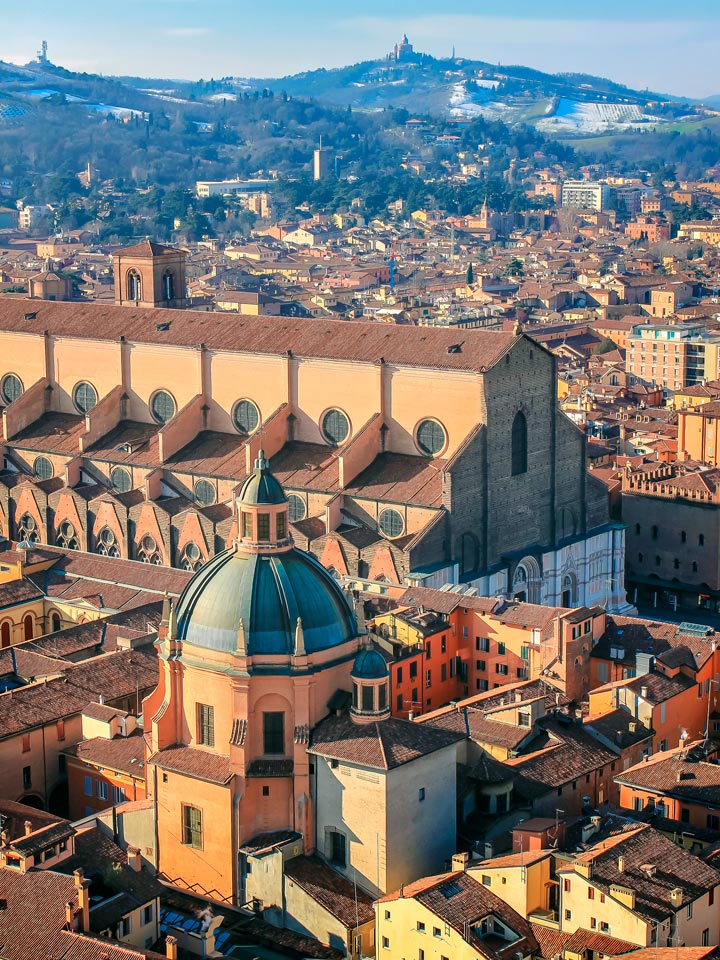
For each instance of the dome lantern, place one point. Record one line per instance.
(263, 511)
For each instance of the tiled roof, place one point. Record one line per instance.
(459, 900)
(383, 745)
(263, 842)
(331, 890)
(112, 676)
(121, 754)
(565, 753)
(18, 591)
(674, 868)
(32, 923)
(275, 336)
(676, 777)
(659, 687)
(270, 768)
(594, 942)
(550, 942)
(619, 728)
(192, 762)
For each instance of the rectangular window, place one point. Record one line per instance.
(26, 743)
(124, 928)
(387, 914)
(486, 880)
(443, 644)
(147, 915)
(399, 704)
(480, 664)
(501, 649)
(428, 678)
(192, 827)
(415, 697)
(443, 671)
(88, 786)
(60, 728)
(482, 644)
(101, 790)
(413, 669)
(27, 778)
(117, 794)
(420, 926)
(206, 724)
(386, 943)
(524, 653)
(421, 794)
(568, 914)
(247, 525)
(274, 733)
(689, 911)
(502, 669)
(593, 923)
(437, 932)
(591, 893)
(398, 675)
(263, 522)
(566, 885)
(281, 526)
(706, 937)
(338, 849)
(428, 650)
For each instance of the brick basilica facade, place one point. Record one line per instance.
(418, 455)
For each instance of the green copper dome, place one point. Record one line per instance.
(369, 665)
(268, 592)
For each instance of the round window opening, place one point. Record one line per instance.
(107, 537)
(391, 523)
(148, 544)
(430, 437)
(85, 397)
(162, 406)
(335, 427)
(11, 388)
(204, 493)
(67, 529)
(121, 480)
(296, 508)
(42, 468)
(246, 416)
(192, 551)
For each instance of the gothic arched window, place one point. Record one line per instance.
(191, 558)
(27, 529)
(67, 537)
(107, 543)
(134, 285)
(168, 286)
(148, 551)
(519, 444)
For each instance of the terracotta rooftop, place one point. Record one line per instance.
(676, 776)
(323, 339)
(334, 892)
(383, 745)
(192, 762)
(121, 754)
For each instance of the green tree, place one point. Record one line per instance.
(470, 277)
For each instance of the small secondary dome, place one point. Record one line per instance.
(369, 665)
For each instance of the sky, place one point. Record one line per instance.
(658, 44)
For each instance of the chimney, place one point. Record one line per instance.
(621, 864)
(644, 692)
(133, 859)
(70, 915)
(28, 828)
(171, 947)
(460, 861)
(82, 888)
(676, 897)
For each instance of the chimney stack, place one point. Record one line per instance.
(133, 859)
(82, 888)
(171, 947)
(460, 861)
(28, 828)
(621, 864)
(70, 915)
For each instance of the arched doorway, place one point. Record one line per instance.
(527, 581)
(32, 800)
(569, 590)
(28, 626)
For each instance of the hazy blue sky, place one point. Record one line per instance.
(656, 43)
